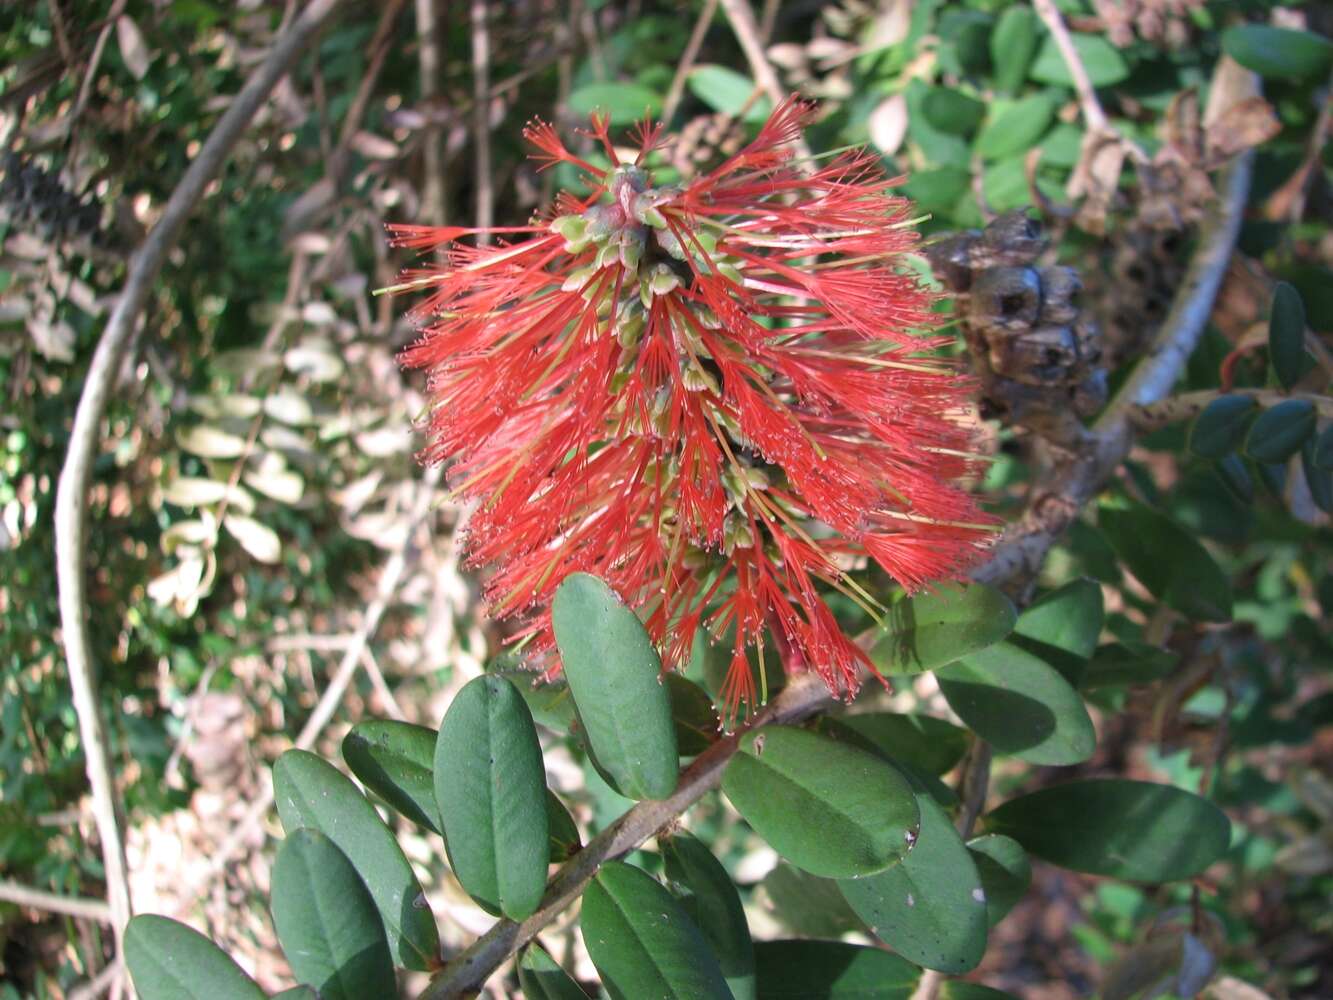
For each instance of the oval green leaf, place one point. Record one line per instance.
(543, 979)
(312, 794)
(921, 741)
(1020, 704)
(1235, 477)
(1280, 53)
(297, 993)
(1016, 128)
(1286, 335)
(170, 961)
(614, 674)
(931, 908)
(395, 760)
(1323, 449)
(564, 832)
(951, 111)
(808, 905)
(1169, 561)
(1319, 480)
(709, 897)
(642, 941)
(692, 714)
(1133, 830)
(1061, 627)
(1005, 873)
(831, 970)
(1012, 45)
(1120, 663)
(827, 807)
(625, 103)
(726, 91)
(928, 631)
(327, 923)
(1280, 431)
(1103, 61)
(490, 787)
(1221, 425)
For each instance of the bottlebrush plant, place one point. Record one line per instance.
(688, 412)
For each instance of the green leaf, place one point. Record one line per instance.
(1015, 128)
(928, 744)
(297, 993)
(1005, 873)
(1323, 449)
(956, 989)
(542, 979)
(1120, 663)
(807, 904)
(931, 908)
(938, 147)
(1169, 561)
(1020, 704)
(1133, 830)
(313, 794)
(1319, 480)
(951, 111)
(726, 91)
(1280, 431)
(1103, 61)
(692, 715)
(170, 961)
(615, 676)
(625, 103)
(933, 629)
(395, 760)
(564, 832)
(1235, 477)
(1220, 426)
(860, 823)
(1286, 335)
(1062, 627)
(831, 970)
(712, 902)
(1012, 44)
(1280, 53)
(490, 787)
(642, 941)
(326, 921)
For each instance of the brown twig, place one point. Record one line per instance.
(747, 33)
(40, 899)
(1149, 417)
(71, 509)
(687, 58)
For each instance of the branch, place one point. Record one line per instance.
(71, 510)
(687, 58)
(40, 899)
(805, 695)
(1148, 417)
(747, 33)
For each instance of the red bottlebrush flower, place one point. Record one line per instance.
(716, 396)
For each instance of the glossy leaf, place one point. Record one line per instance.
(831, 970)
(312, 794)
(563, 831)
(614, 674)
(326, 921)
(711, 900)
(543, 979)
(1120, 663)
(1235, 477)
(1005, 873)
(693, 716)
(1012, 45)
(1280, 430)
(170, 961)
(1020, 704)
(1279, 53)
(1169, 561)
(643, 943)
(933, 629)
(952, 111)
(1061, 627)
(926, 743)
(828, 808)
(490, 787)
(1134, 830)
(1319, 480)
(1221, 425)
(931, 908)
(726, 91)
(1016, 128)
(1103, 61)
(625, 103)
(807, 904)
(1286, 335)
(396, 761)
